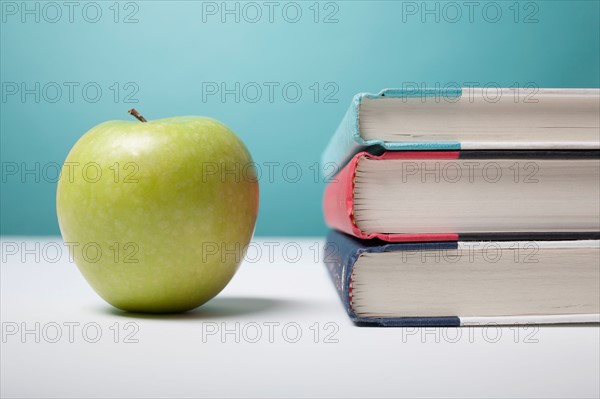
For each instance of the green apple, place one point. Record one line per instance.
(157, 214)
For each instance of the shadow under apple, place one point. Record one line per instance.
(217, 308)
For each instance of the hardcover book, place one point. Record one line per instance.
(416, 196)
(465, 283)
(467, 119)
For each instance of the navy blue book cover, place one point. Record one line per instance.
(342, 251)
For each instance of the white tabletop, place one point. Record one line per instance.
(277, 330)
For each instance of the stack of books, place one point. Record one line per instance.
(452, 208)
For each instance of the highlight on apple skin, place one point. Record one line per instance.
(158, 214)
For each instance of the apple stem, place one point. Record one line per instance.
(137, 115)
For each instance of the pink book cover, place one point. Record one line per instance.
(338, 201)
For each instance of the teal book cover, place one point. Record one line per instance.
(416, 118)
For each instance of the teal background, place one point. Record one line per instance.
(170, 51)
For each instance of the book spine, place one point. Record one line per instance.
(339, 258)
(340, 255)
(338, 200)
(347, 139)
